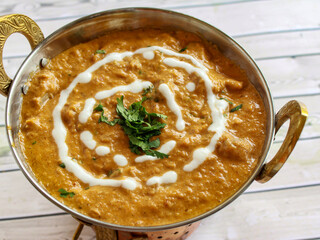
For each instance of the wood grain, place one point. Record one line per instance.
(283, 36)
(43, 228)
(287, 214)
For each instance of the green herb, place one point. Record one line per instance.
(147, 90)
(113, 173)
(34, 142)
(62, 165)
(104, 119)
(139, 126)
(226, 100)
(100, 51)
(236, 108)
(86, 188)
(94, 158)
(109, 173)
(140, 72)
(64, 193)
(183, 49)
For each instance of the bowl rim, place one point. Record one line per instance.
(92, 221)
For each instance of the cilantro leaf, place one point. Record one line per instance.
(236, 108)
(98, 108)
(100, 51)
(227, 100)
(139, 125)
(183, 49)
(147, 90)
(64, 193)
(62, 165)
(104, 119)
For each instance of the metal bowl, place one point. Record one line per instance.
(93, 26)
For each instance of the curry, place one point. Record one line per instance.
(142, 128)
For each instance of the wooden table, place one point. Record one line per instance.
(283, 37)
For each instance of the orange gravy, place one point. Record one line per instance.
(180, 84)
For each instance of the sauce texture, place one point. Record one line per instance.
(214, 133)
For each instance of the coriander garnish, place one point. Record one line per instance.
(34, 142)
(62, 165)
(147, 90)
(64, 193)
(226, 100)
(236, 108)
(114, 173)
(94, 158)
(183, 49)
(100, 51)
(139, 126)
(109, 173)
(104, 119)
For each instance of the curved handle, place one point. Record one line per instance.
(16, 23)
(297, 113)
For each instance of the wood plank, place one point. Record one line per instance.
(312, 127)
(292, 76)
(301, 169)
(251, 16)
(21, 198)
(39, 10)
(43, 228)
(258, 26)
(6, 159)
(260, 16)
(286, 214)
(281, 44)
(255, 17)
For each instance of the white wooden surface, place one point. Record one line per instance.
(283, 36)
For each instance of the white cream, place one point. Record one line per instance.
(87, 138)
(86, 177)
(87, 110)
(171, 53)
(191, 86)
(102, 150)
(168, 177)
(217, 108)
(165, 148)
(148, 55)
(59, 132)
(134, 87)
(172, 104)
(120, 160)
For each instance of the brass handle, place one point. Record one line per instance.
(16, 23)
(297, 113)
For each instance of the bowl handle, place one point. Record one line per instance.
(297, 113)
(16, 23)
